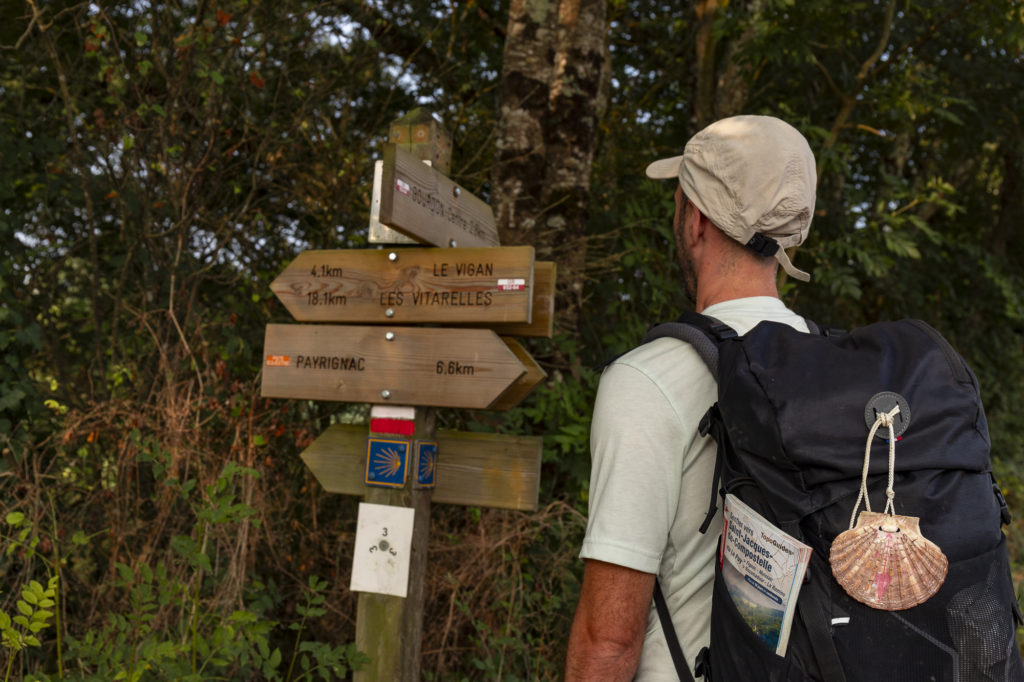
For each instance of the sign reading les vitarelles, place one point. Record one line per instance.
(471, 285)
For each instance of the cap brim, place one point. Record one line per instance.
(663, 169)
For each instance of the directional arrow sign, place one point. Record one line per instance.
(424, 204)
(542, 310)
(380, 233)
(525, 384)
(400, 365)
(473, 285)
(478, 469)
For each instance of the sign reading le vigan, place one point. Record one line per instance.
(411, 285)
(469, 368)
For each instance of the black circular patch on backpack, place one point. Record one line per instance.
(884, 402)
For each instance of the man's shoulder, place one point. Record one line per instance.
(659, 356)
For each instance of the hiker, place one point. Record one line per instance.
(745, 193)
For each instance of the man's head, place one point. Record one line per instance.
(754, 178)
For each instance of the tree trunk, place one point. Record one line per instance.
(553, 93)
(722, 81)
(1011, 207)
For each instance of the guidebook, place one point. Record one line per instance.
(763, 569)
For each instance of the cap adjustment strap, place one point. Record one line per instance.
(766, 246)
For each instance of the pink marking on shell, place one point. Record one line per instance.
(882, 581)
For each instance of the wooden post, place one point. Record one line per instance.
(419, 133)
(390, 629)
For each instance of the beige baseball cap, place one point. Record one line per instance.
(754, 178)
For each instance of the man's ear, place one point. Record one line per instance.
(696, 227)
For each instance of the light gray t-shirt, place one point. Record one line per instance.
(650, 482)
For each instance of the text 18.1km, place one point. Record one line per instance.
(325, 298)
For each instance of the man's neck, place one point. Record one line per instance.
(719, 292)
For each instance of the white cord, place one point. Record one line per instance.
(883, 419)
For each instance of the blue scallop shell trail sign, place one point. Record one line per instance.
(386, 462)
(426, 463)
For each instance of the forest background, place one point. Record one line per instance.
(161, 162)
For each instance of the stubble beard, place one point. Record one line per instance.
(685, 260)
(689, 273)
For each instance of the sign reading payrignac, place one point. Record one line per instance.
(472, 285)
(421, 202)
(404, 365)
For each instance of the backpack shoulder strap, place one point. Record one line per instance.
(671, 638)
(703, 332)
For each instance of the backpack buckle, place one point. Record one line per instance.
(702, 666)
(722, 331)
(1004, 509)
(712, 415)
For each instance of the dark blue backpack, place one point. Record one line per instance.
(791, 423)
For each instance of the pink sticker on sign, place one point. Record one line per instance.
(402, 186)
(511, 284)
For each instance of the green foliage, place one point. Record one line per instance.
(136, 641)
(32, 618)
(238, 645)
(21, 401)
(319, 660)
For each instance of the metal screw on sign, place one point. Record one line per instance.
(451, 243)
(392, 256)
(390, 336)
(456, 191)
(385, 394)
(390, 312)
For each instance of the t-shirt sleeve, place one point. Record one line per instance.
(636, 444)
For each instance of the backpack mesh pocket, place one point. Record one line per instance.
(982, 633)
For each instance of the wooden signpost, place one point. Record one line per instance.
(419, 201)
(478, 469)
(419, 133)
(402, 365)
(525, 384)
(473, 285)
(542, 309)
(400, 463)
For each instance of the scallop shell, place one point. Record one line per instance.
(886, 563)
